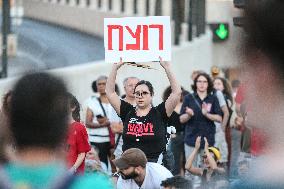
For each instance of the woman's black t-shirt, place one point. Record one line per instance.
(147, 133)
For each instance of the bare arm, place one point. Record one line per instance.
(79, 160)
(110, 88)
(225, 111)
(187, 115)
(214, 117)
(103, 122)
(192, 156)
(174, 97)
(184, 118)
(211, 161)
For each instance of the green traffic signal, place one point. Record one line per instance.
(222, 32)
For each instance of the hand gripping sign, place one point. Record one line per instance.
(137, 39)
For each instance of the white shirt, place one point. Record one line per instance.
(100, 135)
(155, 174)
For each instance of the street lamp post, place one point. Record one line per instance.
(5, 31)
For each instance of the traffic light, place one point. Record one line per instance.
(241, 4)
(220, 31)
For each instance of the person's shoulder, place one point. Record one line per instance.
(121, 183)
(126, 104)
(79, 126)
(93, 180)
(158, 169)
(189, 95)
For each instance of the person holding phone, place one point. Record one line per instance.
(100, 115)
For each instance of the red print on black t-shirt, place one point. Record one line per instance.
(137, 128)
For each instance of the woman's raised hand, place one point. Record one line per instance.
(197, 142)
(164, 64)
(119, 64)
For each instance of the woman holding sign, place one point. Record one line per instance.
(144, 126)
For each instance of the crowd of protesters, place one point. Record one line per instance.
(127, 142)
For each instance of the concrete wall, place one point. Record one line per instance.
(84, 19)
(185, 59)
(225, 54)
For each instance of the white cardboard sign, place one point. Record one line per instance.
(137, 39)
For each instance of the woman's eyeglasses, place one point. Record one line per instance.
(142, 94)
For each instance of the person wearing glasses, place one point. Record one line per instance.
(144, 126)
(198, 113)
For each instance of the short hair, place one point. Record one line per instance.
(210, 83)
(39, 111)
(126, 79)
(103, 77)
(94, 83)
(74, 103)
(178, 182)
(148, 84)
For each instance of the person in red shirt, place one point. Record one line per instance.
(77, 139)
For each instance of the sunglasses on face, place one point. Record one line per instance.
(142, 94)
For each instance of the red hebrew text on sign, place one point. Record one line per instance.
(136, 35)
(120, 29)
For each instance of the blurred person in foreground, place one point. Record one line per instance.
(264, 47)
(136, 173)
(39, 124)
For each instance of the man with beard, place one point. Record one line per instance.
(137, 173)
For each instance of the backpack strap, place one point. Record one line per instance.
(100, 102)
(196, 102)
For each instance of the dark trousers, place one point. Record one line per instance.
(104, 150)
(177, 147)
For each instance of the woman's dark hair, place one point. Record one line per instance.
(210, 83)
(168, 91)
(148, 84)
(73, 102)
(264, 27)
(227, 88)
